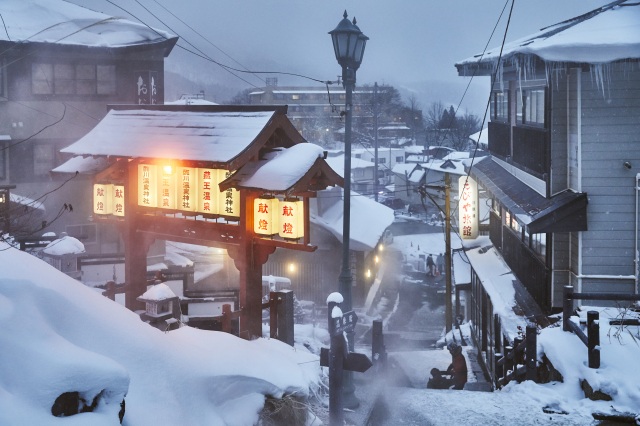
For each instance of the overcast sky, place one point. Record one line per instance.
(413, 44)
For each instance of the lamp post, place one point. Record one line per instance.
(348, 45)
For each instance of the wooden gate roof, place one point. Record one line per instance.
(221, 135)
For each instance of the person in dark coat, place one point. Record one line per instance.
(430, 265)
(457, 371)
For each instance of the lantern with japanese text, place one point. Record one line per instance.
(265, 215)
(118, 200)
(167, 187)
(207, 184)
(102, 198)
(291, 219)
(148, 185)
(229, 200)
(468, 208)
(187, 188)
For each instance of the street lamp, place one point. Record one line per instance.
(348, 45)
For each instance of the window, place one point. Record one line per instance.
(399, 159)
(539, 244)
(43, 159)
(495, 206)
(295, 97)
(500, 106)
(85, 233)
(73, 79)
(3, 82)
(381, 160)
(531, 103)
(42, 79)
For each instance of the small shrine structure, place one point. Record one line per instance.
(233, 177)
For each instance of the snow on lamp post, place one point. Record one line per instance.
(348, 46)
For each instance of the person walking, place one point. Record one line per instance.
(430, 266)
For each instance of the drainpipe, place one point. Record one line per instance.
(636, 253)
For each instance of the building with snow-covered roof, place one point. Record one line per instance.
(563, 175)
(61, 65)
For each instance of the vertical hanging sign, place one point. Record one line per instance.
(468, 208)
(147, 185)
(291, 221)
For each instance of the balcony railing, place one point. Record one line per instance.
(530, 146)
(531, 149)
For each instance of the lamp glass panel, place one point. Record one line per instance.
(147, 185)
(229, 200)
(167, 187)
(102, 198)
(118, 200)
(208, 193)
(265, 216)
(291, 214)
(187, 188)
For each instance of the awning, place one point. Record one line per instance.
(564, 212)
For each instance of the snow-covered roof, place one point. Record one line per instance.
(481, 137)
(404, 168)
(604, 35)
(64, 245)
(198, 133)
(280, 170)
(337, 164)
(83, 165)
(455, 167)
(190, 101)
(158, 292)
(62, 22)
(369, 219)
(413, 149)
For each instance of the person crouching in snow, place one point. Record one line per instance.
(457, 371)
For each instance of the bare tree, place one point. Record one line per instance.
(433, 115)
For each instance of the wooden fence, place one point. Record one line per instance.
(592, 338)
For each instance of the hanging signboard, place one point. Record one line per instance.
(468, 208)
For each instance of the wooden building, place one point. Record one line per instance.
(60, 66)
(562, 178)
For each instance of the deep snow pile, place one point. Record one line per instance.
(61, 336)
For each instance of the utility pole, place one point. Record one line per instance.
(448, 312)
(375, 136)
(447, 258)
